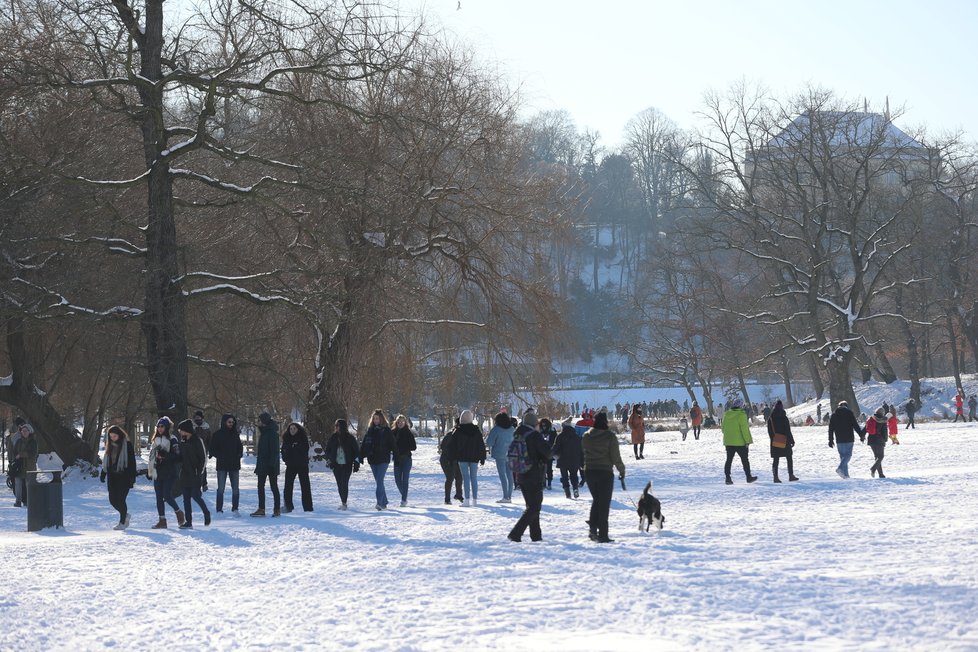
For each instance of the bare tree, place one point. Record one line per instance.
(812, 193)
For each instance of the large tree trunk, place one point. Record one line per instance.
(913, 356)
(840, 383)
(743, 390)
(789, 400)
(883, 367)
(816, 376)
(163, 322)
(969, 327)
(327, 396)
(953, 341)
(24, 393)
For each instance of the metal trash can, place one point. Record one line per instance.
(45, 501)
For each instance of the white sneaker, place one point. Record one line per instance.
(466, 503)
(841, 474)
(119, 526)
(235, 513)
(126, 523)
(475, 501)
(403, 503)
(502, 500)
(343, 507)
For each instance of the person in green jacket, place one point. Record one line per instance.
(601, 455)
(736, 437)
(267, 463)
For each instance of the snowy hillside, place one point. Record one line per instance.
(818, 564)
(936, 396)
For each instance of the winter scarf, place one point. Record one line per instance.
(117, 461)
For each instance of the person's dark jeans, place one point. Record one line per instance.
(532, 490)
(273, 481)
(193, 492)
(452, 474)
(878, 451)
(163, 486)
(742, 452)
(568, 478)
(602, 487)
(402, 476)
(791, 466)
(342, 473)
(303, 473)
(118, 492)
(222, 478)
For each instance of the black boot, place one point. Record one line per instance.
(729, 480)
(774, 471)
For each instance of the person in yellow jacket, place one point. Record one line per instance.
(736, 437)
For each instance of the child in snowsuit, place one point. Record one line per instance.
(684, 428)
(891, 425)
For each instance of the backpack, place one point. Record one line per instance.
(518, 455)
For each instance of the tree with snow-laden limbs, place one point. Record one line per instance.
(811, 196)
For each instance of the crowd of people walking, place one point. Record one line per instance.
(525, 451)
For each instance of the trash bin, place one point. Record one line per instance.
(45, 506)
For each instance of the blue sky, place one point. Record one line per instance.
(606, 61)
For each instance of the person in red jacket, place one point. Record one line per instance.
(696, 419)
(959, 407)
(891, 425)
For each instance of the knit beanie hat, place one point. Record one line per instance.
(601, 421)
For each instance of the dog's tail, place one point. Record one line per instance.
(648, 488)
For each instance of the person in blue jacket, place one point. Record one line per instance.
(498, 441)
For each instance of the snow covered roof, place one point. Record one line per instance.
(848, 129)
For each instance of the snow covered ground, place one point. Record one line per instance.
(822, 563)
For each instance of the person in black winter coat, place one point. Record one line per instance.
(119, 466)
(531, 482)
(843, 428)
(470, 451)
(876, 435)
(778, 424)
(404, 444)
(377, 448)
(295, 454)
(203, 430)
(549, 434)
(164, 464)
(226, 449)
(192, 466)
(570, 457)
(449, 466)
(911, 409)
(343, 457)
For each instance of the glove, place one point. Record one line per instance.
(831, 444)
(482, 462)
(356, 467)
(101, 476)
